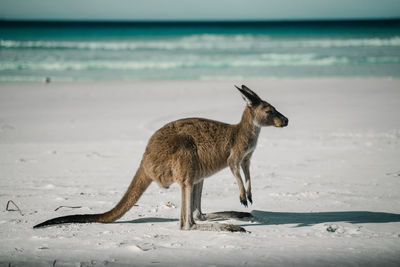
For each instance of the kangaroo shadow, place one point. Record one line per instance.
(149, 220)
(299, 218)
(311, 218)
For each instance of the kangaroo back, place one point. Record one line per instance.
(137, 187)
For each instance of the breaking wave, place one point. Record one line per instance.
(202, 42)
(181, 56)
(266, 60)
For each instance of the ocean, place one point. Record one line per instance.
(32, 51)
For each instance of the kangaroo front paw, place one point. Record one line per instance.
(243, 200)
(250, 198)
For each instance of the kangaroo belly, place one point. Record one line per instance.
(211, 162)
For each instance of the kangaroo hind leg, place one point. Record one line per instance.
(186, 220)
(198, 215)
(196, 198)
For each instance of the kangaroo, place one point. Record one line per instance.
(188, 150)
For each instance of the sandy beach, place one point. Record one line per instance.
(325, 189)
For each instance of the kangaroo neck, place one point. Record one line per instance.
(247, 128)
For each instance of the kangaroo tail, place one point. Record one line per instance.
(135, 190)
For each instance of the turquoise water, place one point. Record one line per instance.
(156, 51)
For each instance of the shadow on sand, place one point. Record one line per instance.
(301, 219)
(149, 220)
(311, 218)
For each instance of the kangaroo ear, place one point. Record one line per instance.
(247, 89)
(249, 96)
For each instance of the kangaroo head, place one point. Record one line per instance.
(263, 113)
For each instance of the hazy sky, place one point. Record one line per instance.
(197, 10)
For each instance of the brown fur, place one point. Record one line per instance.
(188, 150)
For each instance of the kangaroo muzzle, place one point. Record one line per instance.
(281, 121)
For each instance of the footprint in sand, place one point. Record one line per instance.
(141, 247)
(49, 187)
(6, 127)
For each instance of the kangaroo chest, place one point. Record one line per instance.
(251, 148)
(250, 142)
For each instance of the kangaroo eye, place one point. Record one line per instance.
(268, 111)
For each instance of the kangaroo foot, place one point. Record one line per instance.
(227, 215)
(217, 227)
(198, 216)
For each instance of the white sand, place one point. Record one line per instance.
(325, 189)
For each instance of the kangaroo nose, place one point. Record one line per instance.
(285, 121)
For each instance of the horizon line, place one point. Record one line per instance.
(241, 21)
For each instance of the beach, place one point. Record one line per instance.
(325, 188)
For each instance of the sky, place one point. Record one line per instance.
(199, 10)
